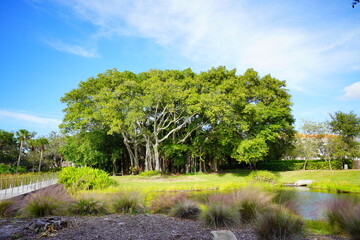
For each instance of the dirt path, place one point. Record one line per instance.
(129, 227)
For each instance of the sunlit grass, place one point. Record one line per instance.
(336, 180)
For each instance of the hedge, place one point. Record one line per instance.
(293, 165)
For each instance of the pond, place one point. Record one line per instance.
(311, 204)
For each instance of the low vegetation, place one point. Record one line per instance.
(279, 224)
(88, 206)
(344, 216)
(75, 179)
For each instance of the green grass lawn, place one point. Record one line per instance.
(337, 180)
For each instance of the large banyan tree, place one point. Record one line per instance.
(182, 121)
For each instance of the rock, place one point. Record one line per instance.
(303, 182)
(223, 235)
(47, 224)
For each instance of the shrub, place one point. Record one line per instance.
(185, 209)
(218, 215)
(164, 202)
(149, 173)
(46, 202)
(293, 165)
(129, 202)
(88, 206)
(278, 224)
(86, 178)
(4, 207)
(250, 202)
(263, 176)
(344, 215)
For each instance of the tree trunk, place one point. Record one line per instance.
(41, 156)
(157, 157)
(20, 150)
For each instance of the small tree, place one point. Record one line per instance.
(347, 126)
(23, 136)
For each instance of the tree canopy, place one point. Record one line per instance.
(171, 120)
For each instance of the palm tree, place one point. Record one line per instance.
(40, 143)
(23, 136)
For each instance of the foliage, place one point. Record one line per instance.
(293, 165)
(347, 125)
(129, 202)
(46, 202)
(8, 147)
(4, 207)
(175, 121)
(149, 173)
(279, 224)
(85, 178)
(8, 169)
(344, 215)
(185, 209)
(217, 214)
(88, 206)
(263, 176)
(164, 202)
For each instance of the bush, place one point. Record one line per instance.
(263, 176)
(46, 202)
(279, 224)
(294, 165)
(86, 178)
(129, 202)
(88, 206)
(218, 215)
(164, 202)
(344, 215)
(4, 208)
(250, 202)
(185, 209)
(149, 173)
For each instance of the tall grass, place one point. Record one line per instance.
(13, 180)
(278, 224)
(218, 215)
(88, 206)
(164, 202)
(46, 202)
(344, 215)
(250, 202)
(4, 207)
(185, 209)
(129, 202)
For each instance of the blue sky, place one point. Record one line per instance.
(48, 46)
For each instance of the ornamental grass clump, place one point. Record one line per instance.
(278, 224)
(250, 202)
(185, 209)
(88, 206)
(219, 213)
(129, 202)
(4, 208)
(46, 202)
(344, 216)
(163, 203)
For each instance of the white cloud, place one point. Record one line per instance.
(73, 49)
(352, 91)
(269, 37)
(28, 119)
